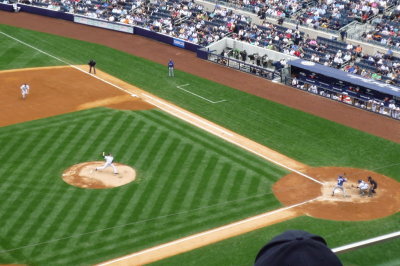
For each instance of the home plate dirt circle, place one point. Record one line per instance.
(294, 188)
(83, 175)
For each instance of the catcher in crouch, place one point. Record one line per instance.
(363, 187)
(109, 162)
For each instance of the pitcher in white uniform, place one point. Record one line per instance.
(109, 162)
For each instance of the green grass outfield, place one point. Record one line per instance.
(203, 183)
(241, 250)
(181, 188)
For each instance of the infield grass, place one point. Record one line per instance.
(304, 137)
(154, 210)
(187, 181)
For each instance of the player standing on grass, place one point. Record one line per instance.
(171, 68)
(24, 90)
(109, 162)
(340, 181)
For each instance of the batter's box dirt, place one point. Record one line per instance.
(84, 175)
(293, 188)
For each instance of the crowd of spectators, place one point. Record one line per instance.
(386, 106)
(190, 21)
(386, 30)
(214, 25)
(331, 14)
(182, 19)
(332, 53)
(334, 14)
(324, 51)
(293, 42)
(158, 14)
(384, 67)
(263, 8)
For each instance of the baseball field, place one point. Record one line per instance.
(205, 155)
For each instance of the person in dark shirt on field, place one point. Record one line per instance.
(373, 186)
(92, 65)
(171, 66)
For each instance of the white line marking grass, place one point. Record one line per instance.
(367, 242)
(179, 111)
(225, 135)
(205, 233)
(170, 106)
(65, 62)
(208, 100)
(201, 123)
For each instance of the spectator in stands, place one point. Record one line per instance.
(358, 51)
(16, 8)
(396, 113)
(283, 62)
(343, 35)
(337, 61)
(376, 76)
(190, 21)
(347, 57)
(313, 89)
(278, 66)
(349, 47)
(295, 82)
(314, 58)
(389, 54)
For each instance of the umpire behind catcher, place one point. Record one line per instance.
(373, 186)
(92, 65)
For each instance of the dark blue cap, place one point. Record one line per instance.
(296, 248)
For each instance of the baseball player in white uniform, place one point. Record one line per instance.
(363, 187)
(109, 162)
(24, 90)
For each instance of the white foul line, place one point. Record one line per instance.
(209, 232)
(184, 85)
(217, 128)
(226, 135)
(65, 62)
(367, 242)
(170, 106)
(186, 114)
(335, 250)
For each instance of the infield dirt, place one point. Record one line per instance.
(53, 93)
(187, 61)
(85, 175)
(57, 90)
(44, 102)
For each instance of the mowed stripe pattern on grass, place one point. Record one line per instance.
(15, 57)
(188, 181)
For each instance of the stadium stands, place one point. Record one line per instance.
(190, 21)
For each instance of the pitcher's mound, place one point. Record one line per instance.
(83, 175)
